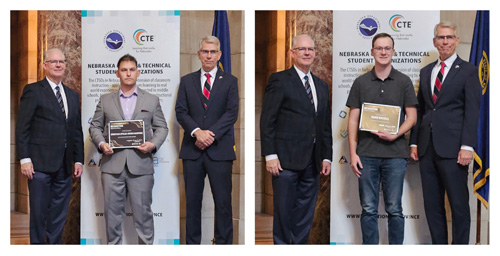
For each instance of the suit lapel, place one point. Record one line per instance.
(427, 83)
(69, 100)
(299, 86)
(455, 67)
(116, 100)
(196, 84)
(49, 93)
(319, 94)
(218, 80)
(139, 102)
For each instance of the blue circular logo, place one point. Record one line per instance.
(368, 27)
(114, 40)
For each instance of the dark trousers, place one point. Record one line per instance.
(440, 175)
(49, 200)
(219, 175)
(295, 194)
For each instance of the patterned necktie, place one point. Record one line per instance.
(438, 83)
(59, 99)
(206, 90)
(308, 89)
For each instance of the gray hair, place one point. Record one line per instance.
(294, 40)
(445, 24)
(210, 40)
(46, 54)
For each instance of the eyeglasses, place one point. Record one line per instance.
(379, 49)
(304, 49)
(54, 62)
(206, 52)
(440, 38)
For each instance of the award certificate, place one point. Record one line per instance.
(126, 133)
(379, 117)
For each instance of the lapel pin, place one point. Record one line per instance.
(457, 66)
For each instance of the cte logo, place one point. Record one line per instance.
(397, 22)
(140, 37)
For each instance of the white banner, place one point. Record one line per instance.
(153, 38)
(353, 32)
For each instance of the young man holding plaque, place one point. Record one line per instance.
(380, 156)
(128, 170)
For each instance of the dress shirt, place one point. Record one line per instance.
(203, 79)
(128, 103)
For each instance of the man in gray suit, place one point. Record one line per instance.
(130, 170)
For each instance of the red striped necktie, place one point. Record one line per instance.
(206, 90)
(438, 83)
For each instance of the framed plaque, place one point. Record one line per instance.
(126, 134)
(379, 117)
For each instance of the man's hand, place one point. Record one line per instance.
(78, 170)
(464, 157)
(326, 168)
(146, 147)
(355, 163)
(385, 135)
(414, 153)
(106, 149)
(200, 145)
(27, 170)
(204, 137)
(274, 167)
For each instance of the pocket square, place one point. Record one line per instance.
(144, 110)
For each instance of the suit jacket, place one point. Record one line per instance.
(453, 119)
(148, 109)
(219, 117)
(43, 132)
(289, 125)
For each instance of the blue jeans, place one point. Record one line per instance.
(391, 172)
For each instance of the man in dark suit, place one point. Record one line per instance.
(49, 142)
(207, 108)
(445, 133)
(296, 139)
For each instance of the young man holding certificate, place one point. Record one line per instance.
(379, 155)
(128, 170)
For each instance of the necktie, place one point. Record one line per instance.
(206, 90)
(308, 89)
(438, 83)
(59, 99)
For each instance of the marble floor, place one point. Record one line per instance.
(19, 228)
(263, 228)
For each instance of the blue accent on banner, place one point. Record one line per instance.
(479, 56)
(221, 31)
(169, 13)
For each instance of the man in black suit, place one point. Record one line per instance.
(446, 134)
(296, 139)
(49, 142)
(207, 108)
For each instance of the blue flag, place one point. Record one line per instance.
(221, 31)
(479, 56)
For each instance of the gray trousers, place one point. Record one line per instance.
(140, 190)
